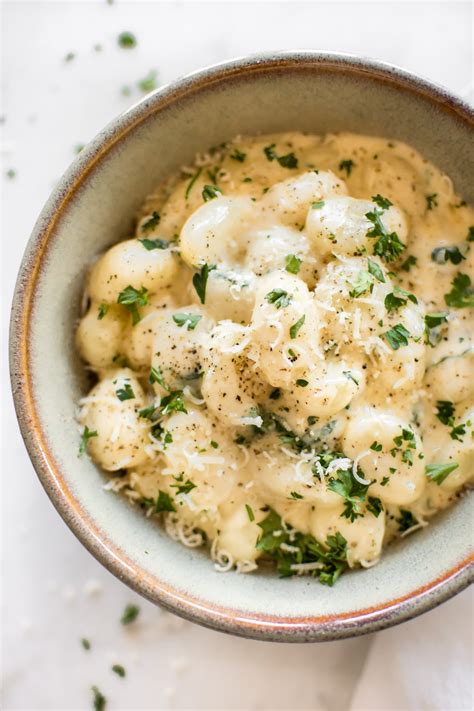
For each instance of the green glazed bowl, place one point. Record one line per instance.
(92, 207)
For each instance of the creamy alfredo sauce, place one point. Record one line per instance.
(283, 351)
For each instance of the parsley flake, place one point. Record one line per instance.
(187, 319)
(151, 244)
(278, 297)
(164, 502)
(156, 376)
(125, 393)
(397, 336)
(292, 263)
(119, 670)
(461, 294)
(130, 614)
(131, 299)
(449, 253)
(294, 330)
(99, 699)
(102, 311)
(374, 269)
(382, 202)
(388, 245)
(250, 512)
(86, 435)
(318, 204)
(287, 161)
(397, 298)
(200, 281)
(238, 155)
(191, 182)
(127, 40)
(347, 165)
(210, 192)
(439, 472)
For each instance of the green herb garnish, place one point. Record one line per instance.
(102, 311)
(397, 298)
(292, 263)
(164, 502)
(278, 297)
(187, 319)
(397, 336)
(461, 294)
(439, 472)
(294, 330)
(130, 614)
(119, 670)
(127, 40)
(131, 299)
(86, 435)
(99, 699)
(347, 165)
(200, 281)
(210, 192)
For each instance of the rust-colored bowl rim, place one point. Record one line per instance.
(258, 626)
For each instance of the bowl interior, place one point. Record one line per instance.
(92, 208)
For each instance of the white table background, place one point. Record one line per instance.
(54, 592)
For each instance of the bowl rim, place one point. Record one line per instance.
(257, 626)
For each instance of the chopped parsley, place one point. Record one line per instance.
(376, 446)
(374, 269)
(275, 394)
(397, 336)
(238, 155)
(130, 614)
(302, 383)
(127, 40)
(388, 245)
(385, 481)
(445, 412)
(287, 161)
(406, 520)
(294, 495)
(119, 670)
(397, 298)
(182, 487)
(470, 234)
(200, 281)
(164, 502)
(99, 699)
(347, 165)
(250, 512)
(187, 319)
(85, 644)
(125, 393)
(86, 435)
(191, 182)
(461, 294)
(131, 299)
(278, 297)
(439, 472)
(361, 285)
(156, 376)
(409, 262)
(210, 192)
(382, 202)
(458, 432)
(304, 548)
(151, 244)
(102, 311)
(432, 322)
(292, 263)
(149, 82)
(318, 204)
(374, 505)
(442, 255)
(431, 201)
(172, 403)
(352, 491)
(294, 329)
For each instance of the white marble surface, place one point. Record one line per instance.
(53, 592)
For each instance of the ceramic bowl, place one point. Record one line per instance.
(92, 207)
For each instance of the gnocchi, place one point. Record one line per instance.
(283, 352)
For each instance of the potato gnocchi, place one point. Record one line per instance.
(283, 352)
